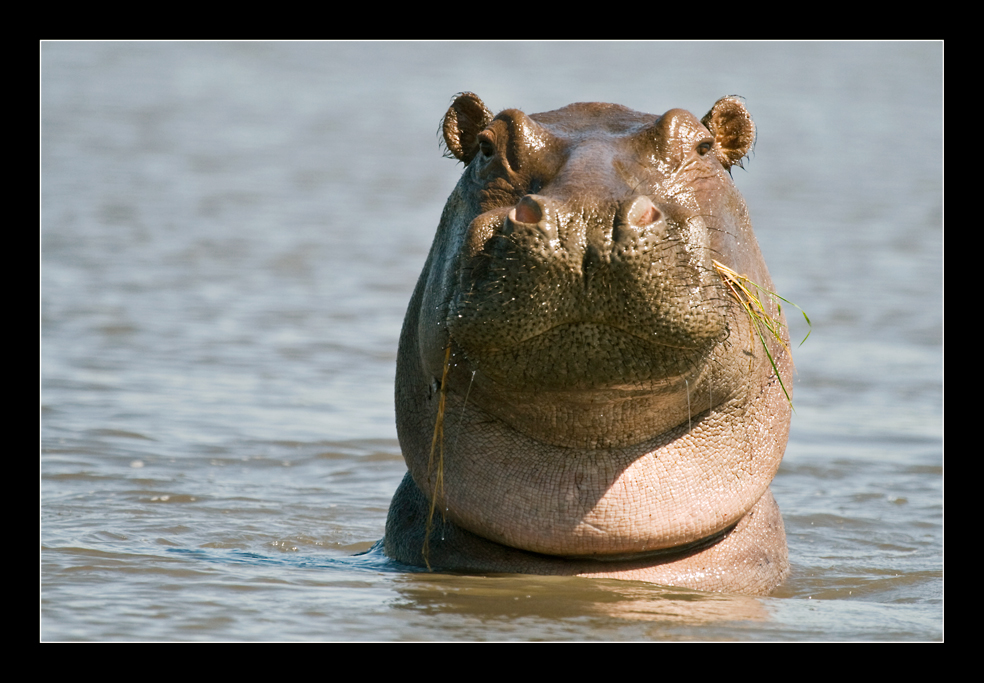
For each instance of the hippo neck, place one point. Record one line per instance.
(672, 489)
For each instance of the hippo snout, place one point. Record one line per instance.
(627, 265)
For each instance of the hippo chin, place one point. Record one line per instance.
(578, 391)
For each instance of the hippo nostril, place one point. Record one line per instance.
(531, 210)
(651, 215)
(634, 220)
(528, 210)
(642, 212)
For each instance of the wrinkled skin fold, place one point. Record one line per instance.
(577, 391)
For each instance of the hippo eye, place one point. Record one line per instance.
(485, 146)
(704, 147)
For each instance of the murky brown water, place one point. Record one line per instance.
(230, 236)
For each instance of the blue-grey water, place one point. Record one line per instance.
(230, 233)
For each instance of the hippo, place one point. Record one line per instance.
(579, 388)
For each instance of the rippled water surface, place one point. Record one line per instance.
(230, 235)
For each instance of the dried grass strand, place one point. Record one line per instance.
(437, 445)
(750, 294)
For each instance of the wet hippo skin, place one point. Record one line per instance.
(578, 391)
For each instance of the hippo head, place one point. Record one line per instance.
(596, 388)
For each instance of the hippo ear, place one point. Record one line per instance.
(466, 118)
(732, 128)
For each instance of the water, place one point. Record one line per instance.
(230, 235)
